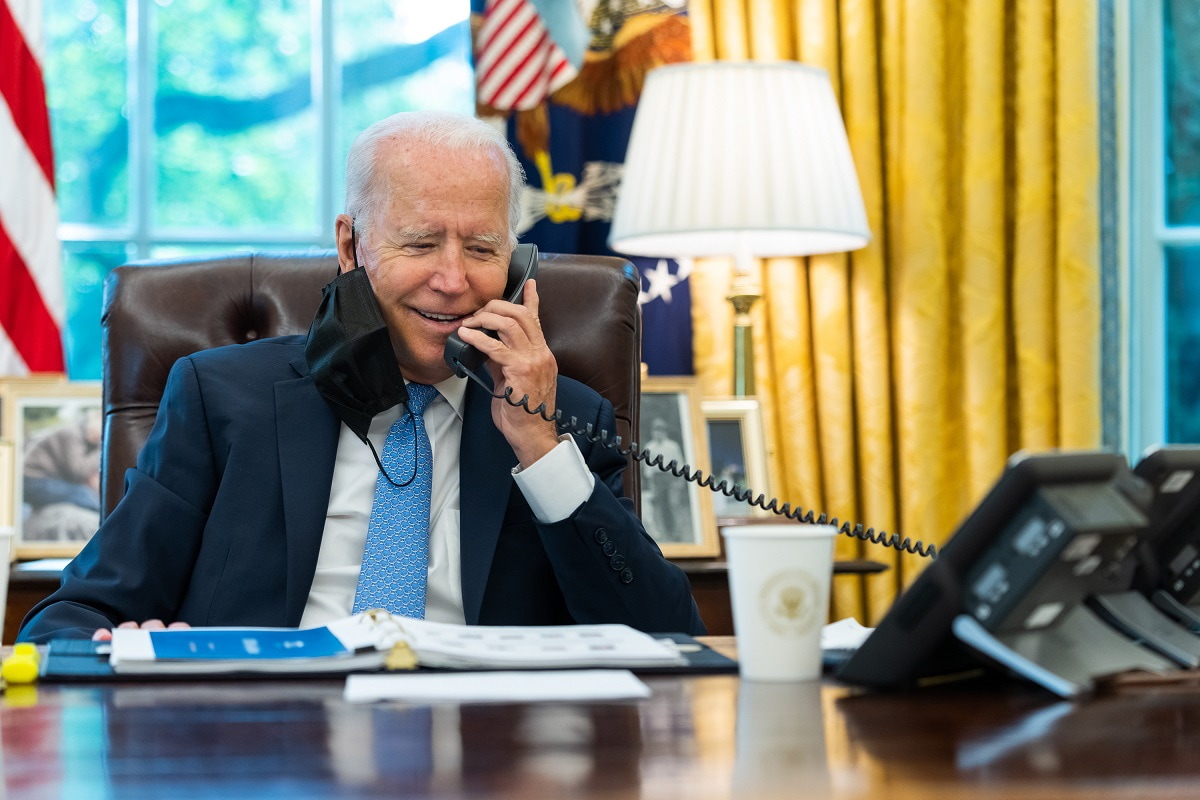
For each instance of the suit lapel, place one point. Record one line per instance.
(307, 432)
(485, 479)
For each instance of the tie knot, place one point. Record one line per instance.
(420, 395)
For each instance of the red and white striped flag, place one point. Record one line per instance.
(31, 291)
(517, 63)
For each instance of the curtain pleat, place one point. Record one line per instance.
(982, 244)
(790, 385)
(875, 468)
(700, 17)
(896, 380)
(1077, 37)
(731, 35)
(1034, 230)
(770, 30)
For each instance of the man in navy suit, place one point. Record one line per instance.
(250, 501)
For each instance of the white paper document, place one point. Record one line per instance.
(370, 640)
(497, 687)
(845, 634)
(438, 644)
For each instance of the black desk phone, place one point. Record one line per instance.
(1074, 567)
(1169, 571)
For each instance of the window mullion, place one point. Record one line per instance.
(142, 147)
(326, 89)
(1145, 282)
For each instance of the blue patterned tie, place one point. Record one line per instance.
(395, 563)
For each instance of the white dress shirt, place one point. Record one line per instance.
(555, 486)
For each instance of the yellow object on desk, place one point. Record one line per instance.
(22, 665)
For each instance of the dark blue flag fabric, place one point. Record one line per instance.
(571, 136)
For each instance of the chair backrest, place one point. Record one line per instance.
(156, 312)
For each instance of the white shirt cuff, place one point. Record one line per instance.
(557, 483)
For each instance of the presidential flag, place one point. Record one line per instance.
(565, 77)
(31, 291)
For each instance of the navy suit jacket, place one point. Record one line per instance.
(222, 519)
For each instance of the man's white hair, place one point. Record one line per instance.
(442, 128)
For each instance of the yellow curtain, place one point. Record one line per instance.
(896, 380)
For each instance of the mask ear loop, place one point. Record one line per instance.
(412, 420)
(411, 417)
(354, 243)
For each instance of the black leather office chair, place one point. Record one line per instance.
(156, 312)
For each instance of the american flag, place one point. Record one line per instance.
(31, 291)
(517, 63)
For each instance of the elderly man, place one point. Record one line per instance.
(253, 505)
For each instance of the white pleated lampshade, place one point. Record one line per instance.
(745, 159)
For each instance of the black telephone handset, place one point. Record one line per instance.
(462, 357)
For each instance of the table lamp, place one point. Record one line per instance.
(738, 159)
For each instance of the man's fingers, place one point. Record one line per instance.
(530, 298)
(105, 634)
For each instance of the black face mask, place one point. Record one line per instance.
(350, 353)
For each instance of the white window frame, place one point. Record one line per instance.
(1143, 118)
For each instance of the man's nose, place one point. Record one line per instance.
(451, 273)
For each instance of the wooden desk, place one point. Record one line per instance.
(695, 738)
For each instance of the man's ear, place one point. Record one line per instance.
(343, 233)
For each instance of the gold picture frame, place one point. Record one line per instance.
(677, 513)
(7, 479)
(737, 450)
(54, 426)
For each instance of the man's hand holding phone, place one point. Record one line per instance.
(518, 358)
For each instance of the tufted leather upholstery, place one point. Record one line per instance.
(156, 312)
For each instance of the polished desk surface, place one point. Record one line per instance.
(695, 737)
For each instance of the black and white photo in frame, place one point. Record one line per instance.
(676, 512)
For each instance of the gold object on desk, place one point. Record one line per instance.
(400, 657)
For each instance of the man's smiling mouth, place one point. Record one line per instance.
(441, 317)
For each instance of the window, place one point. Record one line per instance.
(206, 125)
(1164, 272)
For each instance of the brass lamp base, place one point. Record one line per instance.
(743, 291)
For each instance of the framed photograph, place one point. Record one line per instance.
(738, 454)
(676, 512)
(54, 427)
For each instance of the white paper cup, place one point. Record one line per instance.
(779, 586)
